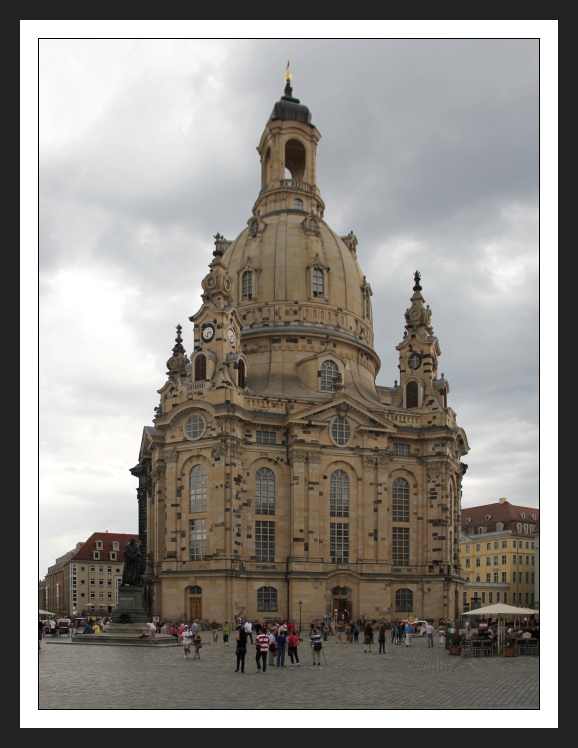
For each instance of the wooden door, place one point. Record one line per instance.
(196, 607)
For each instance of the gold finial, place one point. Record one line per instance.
(288, 76)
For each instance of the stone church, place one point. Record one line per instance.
(278, 479)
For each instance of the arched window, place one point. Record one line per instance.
(266, 599)
(340, 430)
(298, 204)
(403, 601)
(241, 379)
(295, 158)
(200, 368)
(339, 494)
(329, 370)
(411, 395)
(254, 228)
(264, 491)
(198, 489)
(247, 286)
(312, 224)
(318, 284)
(400, 500)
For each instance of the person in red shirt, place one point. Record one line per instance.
(292, 644)
(262, 642)
(291, 627)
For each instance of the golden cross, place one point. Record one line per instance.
(288, 76)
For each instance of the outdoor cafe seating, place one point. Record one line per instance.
(526, 646)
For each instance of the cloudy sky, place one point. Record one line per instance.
(148, 148)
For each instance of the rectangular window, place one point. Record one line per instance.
(488, 546)
(468, 548)
(92, 569)
(496, 545)
(465, 598)
(109, 595)
(490, 597)
(495, 560)
(527, 577)
(99, 544)
(488, 560)
(505, 598)
(532, 546)
(101, 595)
(533, 599)
(483, 598)
(478, 547)
(468, 563)
(112, 556)
(81, 568)
(527, 598)
(115, 545)
(82, 594)
(403, 450)
(92, 593)
(498, 596)
(117, 571)
(266, 437)
(101, 569)
(533, 561)
(533, 578)
(504, 577)
(197, 539)
(514, 577)
(504, 543)
(109, 569)
(101, 583)
(478, 562)
(496, 576)
(504, 559)
(527, 560)
(265, 541)
(527, 545)
(520, 560)
(400, 507)
(96, 555)
(92, 582)
(109, 582)
(488, 577)
(339, 542)
(266, 599)
(400, 543)
(82, 581)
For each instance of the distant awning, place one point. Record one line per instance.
(499, 609)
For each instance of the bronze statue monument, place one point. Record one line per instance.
(132, 558)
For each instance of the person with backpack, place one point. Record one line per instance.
(316, 647)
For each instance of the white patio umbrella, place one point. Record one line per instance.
(501, 612)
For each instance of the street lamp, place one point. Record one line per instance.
(300, 604)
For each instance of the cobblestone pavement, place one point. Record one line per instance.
(160, 678)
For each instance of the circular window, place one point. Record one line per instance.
(195, 427)
(341, 430)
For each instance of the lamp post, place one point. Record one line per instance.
(300, 604)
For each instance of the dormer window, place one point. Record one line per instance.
(96, 555)
(481, 530)
(523, 515)
(532, 516)
(247, 286)
(318, 284)
(519, 527)
(115, 545)
(499, 526)
(112, 556)
(488, 517)
(468, 520)
(532, 528)
(525, 529)
(99, 544)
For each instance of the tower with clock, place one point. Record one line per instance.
(277, 473)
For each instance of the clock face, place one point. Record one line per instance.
(415, 314)
(208, 333)
(414, 361)
(231, 336)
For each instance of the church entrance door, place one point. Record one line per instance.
(196, 607)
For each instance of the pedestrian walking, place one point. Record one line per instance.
(367, 637)
(356, 633)
(381, 638)
(393, 627)
(214, 630)
(442, 635)
(316, 647)
(249, 630)
(262, 642)
(429, 632)
(409, 630)
(325, 631)
(292, 644)
(272, 646)
(187, 637)
(338, 628)
(241, 649)
(226, 633)
(180, 630)
(281, 641)
(347, 634)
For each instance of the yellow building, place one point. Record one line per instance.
(499, 555)
(277, 473)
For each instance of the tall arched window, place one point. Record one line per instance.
(198, 489)
(200, 368)
(247, 286)
(329, 370)
(403, 601)
(241, 378)
(318, 284)
(266, 599)
(264, 491)
(411, 395)
(400, 500)
(339, 494)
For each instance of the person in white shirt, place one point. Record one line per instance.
(187, 636)
(249, 630)
(152, 629)
(429, 630)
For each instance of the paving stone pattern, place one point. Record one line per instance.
(159, 678)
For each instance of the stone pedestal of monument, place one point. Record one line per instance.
(128, 625)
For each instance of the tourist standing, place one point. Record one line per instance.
(272, 645)
(442, 635)
(381, 638)
(241, 650)
(367, 637)
(197, 644)
(249, 630)
(409, 630)
(281, 641)
(187, 637)
(429, 632)
(316, 647)
(215, 630)
(292, 644)
(325, 631)
(262, 642)
(338, 627)
(226, 633)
